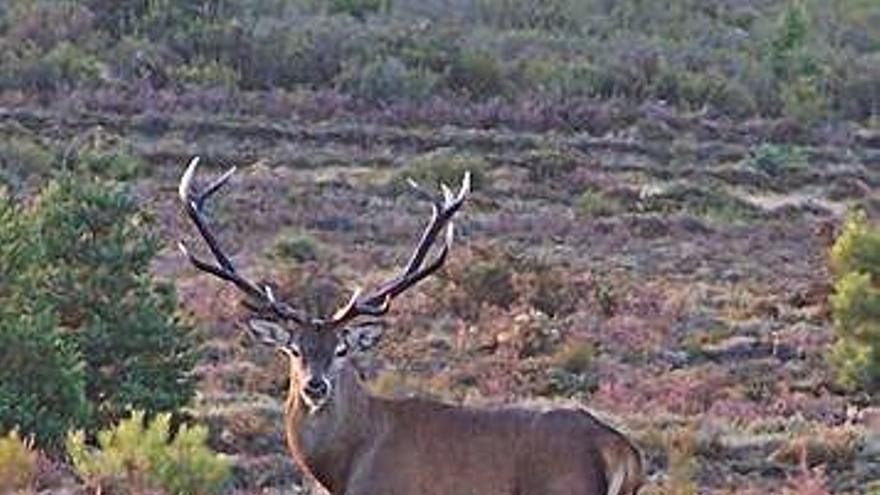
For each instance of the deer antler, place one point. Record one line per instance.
(224, 269)
(377, 303)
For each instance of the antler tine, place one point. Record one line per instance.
(378, 302)
(193, 203)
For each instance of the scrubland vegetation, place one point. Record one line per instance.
(674, 223)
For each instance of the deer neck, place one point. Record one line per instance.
(324, 443)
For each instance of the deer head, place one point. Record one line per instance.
(318, 346)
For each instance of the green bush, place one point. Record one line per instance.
(552, 165)
(296, 245)
(855, 304)
(21, 159)
(775, 159)
(443, 166)
(490, 282)
(211, 74)
(117, 165)
(595, 203)
(136, 454)
(804, 100)
(477, 75)
(528, 14)
(389, 80)
(359, 9)
(91, 335)
(42, 382)
(94, 272)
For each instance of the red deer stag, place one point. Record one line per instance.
(354, 443)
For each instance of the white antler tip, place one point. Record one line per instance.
(447, 193)
(465, 185)
(186, 179)
(183, 249)
(269, 294)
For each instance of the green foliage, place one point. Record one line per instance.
(91, 335)
(42, 382)
(594, 203)
(547, 165)
(18, 463)
(713, 203)
(855, 304)
(775, 159)
(489, 282)
(389, 80)
(211, 74)
(359, 9)
(804, 59)
(116, 164)
(94, 272)
(858, 248)
(477, 75)
(576, 357)
(22, 158)
(444, 167)
(297, 246)
(136, 454)
(804, 100)
(528, 14)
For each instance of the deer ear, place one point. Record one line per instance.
(363, 337)
(269, 332)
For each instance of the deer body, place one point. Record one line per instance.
(356, 444)
(366, 445)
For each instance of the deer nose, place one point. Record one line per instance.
(317, 388)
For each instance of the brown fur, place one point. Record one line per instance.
(365, 445)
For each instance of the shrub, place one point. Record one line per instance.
(855, 304)
(775, 159)
(805, 101)
(91, 334)
(576, 357)
(94, 272)
(443, 166)
(594, 203)
(117, 165)
(18, 463)
(140, 454)
(389, 80)
(297, 246)
(549, 289)
(42, 382)
(477, 75)
(71, 66)
(490, 282)
(359, 9)
(528, 14)
(547, 165)
(211, 74)
(713, 202)
(22, 158)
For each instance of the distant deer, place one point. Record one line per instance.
(354, 443)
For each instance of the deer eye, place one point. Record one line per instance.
(341, 349)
